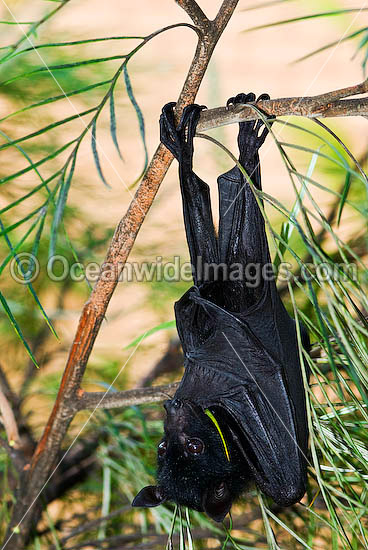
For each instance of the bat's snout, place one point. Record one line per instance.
(176, 416)
(172, 406)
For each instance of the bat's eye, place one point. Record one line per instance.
(195, 446)
(161, 449)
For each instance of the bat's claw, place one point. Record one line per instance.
(241, 98)
(254, 132)
(168, 132)
(270, 118)
(177, 138)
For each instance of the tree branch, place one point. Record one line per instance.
(93, 313)
(113, 400)
(330, 104)
(195, 12)
(225, 12)
(8, 419)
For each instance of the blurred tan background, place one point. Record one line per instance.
(260, 61)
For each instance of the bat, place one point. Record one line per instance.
(239, 413)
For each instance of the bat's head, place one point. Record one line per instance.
(198, 463)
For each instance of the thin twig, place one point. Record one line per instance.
(194, 11)
(111, 400)
(9, 422)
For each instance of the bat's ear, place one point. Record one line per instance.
(217, 502)
(148, 497)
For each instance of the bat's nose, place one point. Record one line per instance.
(172, 405)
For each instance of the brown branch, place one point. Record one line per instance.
(330, 104)
(9, 422)
(225, 12)
(24, 515)
(113, 400)
(195, 12)
(7, 390)
(295, 106)
(361, 88)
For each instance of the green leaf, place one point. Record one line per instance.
(265, 4)
(162, 326)
(71, 43)
(288, 227)
(48, 100)
(47, 128)
(129, 89)
(329, 45)
(17, 328)
(33, 29)
(16, 22)
(364, 40)
(364, 62)
(288, 530)
(61, 202)
(362, 176)
(344, 196)
(271, 539)
(113, 124)
(20, 242)
(305, 17)
(36, 242)
(35, 165)
(346, 149)
(95, 153)
(29, 216)
(28, 283)
(30, 193)
(363, 44)
(51, 68)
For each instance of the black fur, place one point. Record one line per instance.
(242, 369)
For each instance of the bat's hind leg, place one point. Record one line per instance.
(195, 193)
(251, 137)
(242, 237)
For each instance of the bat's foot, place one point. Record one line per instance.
(179, 139)
(253, 133)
